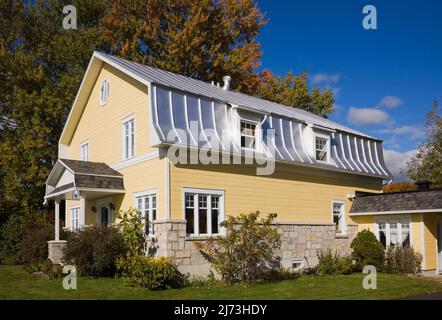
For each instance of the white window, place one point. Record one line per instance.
(322, 147)
(203, 212)
(146, 205)
(75, 218)
(393, 232)
(84, 148)
(248, 135)
(338, 208)
(129, 138)
(104, 92)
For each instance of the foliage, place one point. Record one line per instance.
(427, 163)
(41, 67)
(52, 270)
(245, 254)
(332, 263)
(203, 39)
(367, 250)
(94, 250)
(39, 229)
(399, 186)
(294, 91)
(132, 231)
(403, 260)
(280, 273)
(24, 239)
(11, 235)
(151, 273)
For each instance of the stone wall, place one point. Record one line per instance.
(299, 242)
(55, 250)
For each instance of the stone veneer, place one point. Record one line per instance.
(299, 242)
(55, 250)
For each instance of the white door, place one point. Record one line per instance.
(439, 244)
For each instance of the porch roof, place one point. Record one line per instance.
(70, 176)
(398, 202)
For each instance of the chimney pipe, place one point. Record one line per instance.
(226, 80)
(423, 185)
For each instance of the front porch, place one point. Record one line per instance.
(81, 183)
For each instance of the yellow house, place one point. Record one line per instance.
(412, 218)
(186, 154)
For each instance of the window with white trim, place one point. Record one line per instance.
(322, 147)
(129, 138)
(203, 213)
(75, 218)
(338, 208)
(248, 135)
(104, 92)
(84, 148)
(146, 205)
(393, 232)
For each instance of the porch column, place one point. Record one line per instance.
(82, 211)
(57, 220)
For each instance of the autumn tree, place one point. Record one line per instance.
(294, 91)
(427, 163)
(399, 187)
(41, 67)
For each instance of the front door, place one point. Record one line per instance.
(104, 215)
(439, 244)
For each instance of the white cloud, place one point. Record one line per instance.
(397, 163)
(367, 116)
(413, 132)
(390, 102)
(325, 78)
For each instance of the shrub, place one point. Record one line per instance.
(280, 273)
(404, 260)
(246, 253)
(39, 229)
(150, 273)
(94, 250)
(11, 235)
(132, 231)
(367, 250)
(50, 269)
(333, 263)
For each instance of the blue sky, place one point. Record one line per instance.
(384, 80)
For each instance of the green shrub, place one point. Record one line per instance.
(332, 263)
(11, 236)
(367, 250)
(280, 273)
(245, 254)
(403, 260)
(150, 273)
(39, 229)
(52, 270)
(132, 231)
(94, 250)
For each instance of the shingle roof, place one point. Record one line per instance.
(88, 167)
(398, 201)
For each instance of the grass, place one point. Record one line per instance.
(15, 283)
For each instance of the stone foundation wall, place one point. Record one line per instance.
(299, 242)
(55, 250)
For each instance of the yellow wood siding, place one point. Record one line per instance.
(365, 223)
(430, 221)
(294, 193)
(102, 125)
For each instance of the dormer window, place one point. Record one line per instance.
(248, 135)
(322, 147)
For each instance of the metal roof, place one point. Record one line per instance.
(198, 87)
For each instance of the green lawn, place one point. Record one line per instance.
(18, 284)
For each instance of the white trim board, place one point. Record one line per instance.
(136, 160)
(395, 212)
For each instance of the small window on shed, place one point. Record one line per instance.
(104, 92)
